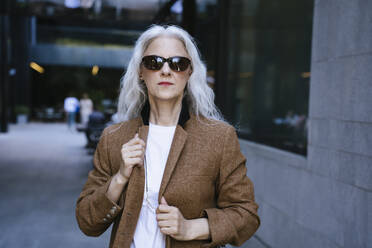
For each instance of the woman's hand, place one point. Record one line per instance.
(171, 221)
(132, 154)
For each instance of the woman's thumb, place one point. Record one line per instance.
(163, 201)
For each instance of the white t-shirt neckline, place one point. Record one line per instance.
(161, 126)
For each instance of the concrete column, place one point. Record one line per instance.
(340, 138)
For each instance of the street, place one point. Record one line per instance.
(43, 168)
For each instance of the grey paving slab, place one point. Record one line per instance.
(42, 170)
(251, 243)
(280, 230)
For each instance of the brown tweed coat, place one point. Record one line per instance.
(205, 176)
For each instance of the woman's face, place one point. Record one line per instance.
(165, 84)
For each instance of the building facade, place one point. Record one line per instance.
(324, 199)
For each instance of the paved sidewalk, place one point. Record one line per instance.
(42, 170)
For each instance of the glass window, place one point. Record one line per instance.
(88, 22)
(268, 70)
(97, 26)
(205, 35)
(50, 88)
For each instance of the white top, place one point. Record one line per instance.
(158, 145)
(71, 103)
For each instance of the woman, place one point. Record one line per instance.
(171, 174)
(86, 108)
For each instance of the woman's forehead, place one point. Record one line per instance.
(166, 46)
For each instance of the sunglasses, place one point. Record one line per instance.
(176, 63)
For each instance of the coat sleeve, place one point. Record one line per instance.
(94, 210)
(235, 218)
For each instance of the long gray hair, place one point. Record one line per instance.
(133, 93)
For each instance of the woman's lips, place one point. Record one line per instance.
(165, 83)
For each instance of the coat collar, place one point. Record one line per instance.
(183, 118)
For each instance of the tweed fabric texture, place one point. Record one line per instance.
(205, 176)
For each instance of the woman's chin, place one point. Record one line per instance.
(167, 97)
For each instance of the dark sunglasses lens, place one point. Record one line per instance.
(153, 62)
(179, 63)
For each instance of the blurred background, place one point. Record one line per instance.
(293, 77)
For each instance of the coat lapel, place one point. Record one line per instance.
(138, 178)
(136, 183)
(179, 140)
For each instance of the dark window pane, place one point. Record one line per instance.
(269, 48)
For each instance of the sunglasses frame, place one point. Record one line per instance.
(172, 65)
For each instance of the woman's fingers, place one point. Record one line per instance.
(131, 154)
(134, 144)
(167, 230)
(164, 209)
(171, 221)
(166, 223)
(135, 141)
(135, 147)
(139, 141)
(135, 161)
(134, 154)
(160, 217)
(128, 149)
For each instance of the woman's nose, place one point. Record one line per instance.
(165, 70)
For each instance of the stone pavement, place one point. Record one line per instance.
(43, 168)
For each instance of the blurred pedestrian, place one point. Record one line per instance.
(72, 4)
(86, 108)
(71, 105)
(172, 173)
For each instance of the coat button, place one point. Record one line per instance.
(108, 216)
(105, 220)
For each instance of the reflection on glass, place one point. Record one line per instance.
(50, 88)
(269, 45)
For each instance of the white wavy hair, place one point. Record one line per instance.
(133, 93)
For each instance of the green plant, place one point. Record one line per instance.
(21, 109)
